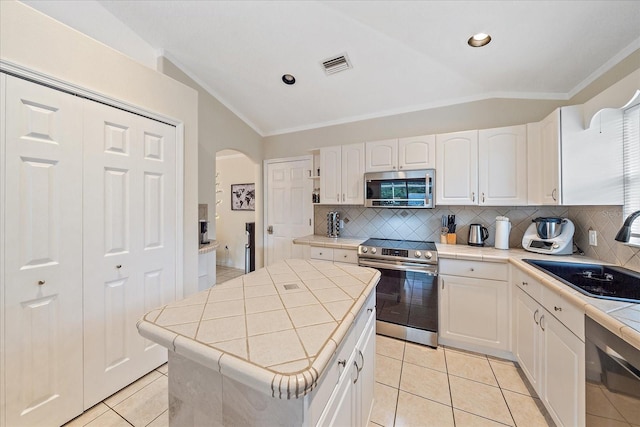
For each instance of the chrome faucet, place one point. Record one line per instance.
(625, 231)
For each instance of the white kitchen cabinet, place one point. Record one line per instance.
(412, 153)
(569, 164)
(206, 270)
(42, 282)
(474, 310)
(349, 256)
(342, 175)
(502, 167)
(552, 358)
(351, 402)
(457, 168)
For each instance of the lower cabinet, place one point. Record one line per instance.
(552, 358)
(351, 402)
(474, 306)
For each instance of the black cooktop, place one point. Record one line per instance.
(595, 280)
(400, 244)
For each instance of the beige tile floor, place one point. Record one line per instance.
(422, 386)
(227, 273)
(415, 386)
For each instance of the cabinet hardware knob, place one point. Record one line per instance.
(119, 266)
(471, 269)
(342, 362)
(557, 308)
(41, 282)
(345, 256)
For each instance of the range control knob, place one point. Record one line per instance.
(374, 250)
(365, 249)
(428, 255)
(418, 254)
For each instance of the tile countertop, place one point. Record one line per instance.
(274, 329)
(209, 247)
(621, 318)
(330, 242)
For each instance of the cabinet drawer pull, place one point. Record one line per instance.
(471, 269)
(525, 283)
(369, 310)
(342, 362)
(557, 308)
(119, 266)
(534, 316)
(41, 282)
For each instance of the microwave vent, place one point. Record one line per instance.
(336, 64)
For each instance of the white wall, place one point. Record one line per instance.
(37, 42)
(220, 129)
(230, 225)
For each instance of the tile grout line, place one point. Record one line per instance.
(395, 412)
(151, 422)
(502, 394)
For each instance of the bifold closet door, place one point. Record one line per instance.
(129, 243)
(42, 255)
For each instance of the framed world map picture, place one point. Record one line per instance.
(243, 197)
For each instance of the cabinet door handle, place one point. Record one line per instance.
(119, 266)
(361, 357)
(534, 316)
(541, 326)
(355, 362)
(483, 197)
(473, 196)
(442, 283)
(338, 197)
(553, 194)
(343, 197)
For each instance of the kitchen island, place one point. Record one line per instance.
(289, 344)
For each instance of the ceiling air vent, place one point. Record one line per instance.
(336, 64)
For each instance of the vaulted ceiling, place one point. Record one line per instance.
(406, 55)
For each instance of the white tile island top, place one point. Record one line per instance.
(274, 329)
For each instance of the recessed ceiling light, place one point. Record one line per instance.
(288, 79)
(479, 40)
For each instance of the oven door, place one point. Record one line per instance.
(407, 294)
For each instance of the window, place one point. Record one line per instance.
(632, 168)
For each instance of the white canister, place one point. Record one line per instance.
(503, 228)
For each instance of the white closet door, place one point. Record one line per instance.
(43, 255)
(129, 243)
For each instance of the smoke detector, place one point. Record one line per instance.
(336, 64)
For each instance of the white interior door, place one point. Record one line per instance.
(43, 255)
(129, 243)
(289, 207)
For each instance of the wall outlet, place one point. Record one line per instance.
(593, 237)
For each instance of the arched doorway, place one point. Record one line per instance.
(238, 202)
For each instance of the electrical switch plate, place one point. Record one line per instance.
(593, 237)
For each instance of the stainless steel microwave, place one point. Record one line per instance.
(401, 189)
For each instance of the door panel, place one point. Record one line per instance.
(129, 240)
(289, 209)
(42, 255)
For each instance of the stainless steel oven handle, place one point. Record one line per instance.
(404, 266)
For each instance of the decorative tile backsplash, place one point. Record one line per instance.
(606, 220)
(425, 224)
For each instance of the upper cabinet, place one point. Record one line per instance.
(570, 165)
(486, 167)
(411, 153)
(342, 175)
(502, 166)
(457, 168)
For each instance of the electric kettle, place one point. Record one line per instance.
(477, 235)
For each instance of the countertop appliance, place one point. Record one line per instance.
(594, 280)
(477, 235)
(612, 372)
(407, 294)
(549, 235)
(503, 228)
(405, 189)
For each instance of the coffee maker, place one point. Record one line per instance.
(204, 225)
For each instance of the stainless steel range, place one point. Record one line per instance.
(407, 294)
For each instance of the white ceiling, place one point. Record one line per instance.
(406, 55)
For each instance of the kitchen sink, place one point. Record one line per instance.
(594, 280)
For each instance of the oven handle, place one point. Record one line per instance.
(401, 266)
